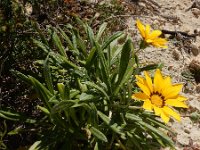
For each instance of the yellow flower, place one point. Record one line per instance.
(159, 95)
(151, 37)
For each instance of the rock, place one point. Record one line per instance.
(194, 65)
(156, 22)
(194, 68)
(195, 103)
(196, 12)
(183, 139)
(194, 49)
(198, 88)
(187, 131)
(189, 88)
(176, 54)
(197, 31)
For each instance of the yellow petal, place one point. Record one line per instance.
(159, 42)
(155, 34)
(175, 103)
(164, 117)
(181, 98)
(147, 31)
(144, 88)
(140, 96)
(140, 79)
(149, 41)
(147, 105)
(157, 110)
(172, 113)
(172, 91)
(167, 82)
(158, 81)
(141, 28)
(148, 81)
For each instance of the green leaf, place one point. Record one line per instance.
(125, 57)
(61, 88)
(63, 105)
(80, 43)
(96, 147)
(58, 43)
(47, 75)
(74, 42)
(90, 35)
(44, 47)
(66, 38)
(110, 39)
(101, 30)
(84, 105)
(105, 118)
(44, 93)
(64, 91)
(97, 88)
(14, 116)
(43, 109)
(114, 126)
(35, 146)
(62, 61)
(116, 51)
(68, 63)
(41, 33)
(157, 132)
(91, 57)
(134, 140)
(17, 130)
(104, 70)
(85, 97)
(160, 124)
(124, 80)
(98, 134)
(9, 115)
(132, 117)
(74, 93)
(21, 76)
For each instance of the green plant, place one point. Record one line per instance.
(86, 93)
(3, 131)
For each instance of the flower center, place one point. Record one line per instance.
(157, 100)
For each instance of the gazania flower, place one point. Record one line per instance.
(159, 95)
(151, 37)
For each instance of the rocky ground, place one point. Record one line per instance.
(180, 22)
(181, 60)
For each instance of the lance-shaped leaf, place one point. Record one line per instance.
(47, 75)
(110, 39)
(101, 30)
(58, 43)
(125, 67)
(98, 88)
(125, 57)
(44, 93)
(114, 126)
(98, 134)
(41, 45)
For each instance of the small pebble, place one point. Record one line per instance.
(187, 131)
(176, 54)
(196, 12)
(198, 88)
(194, 49)
(194, 65)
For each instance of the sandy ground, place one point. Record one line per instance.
(174, 15)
